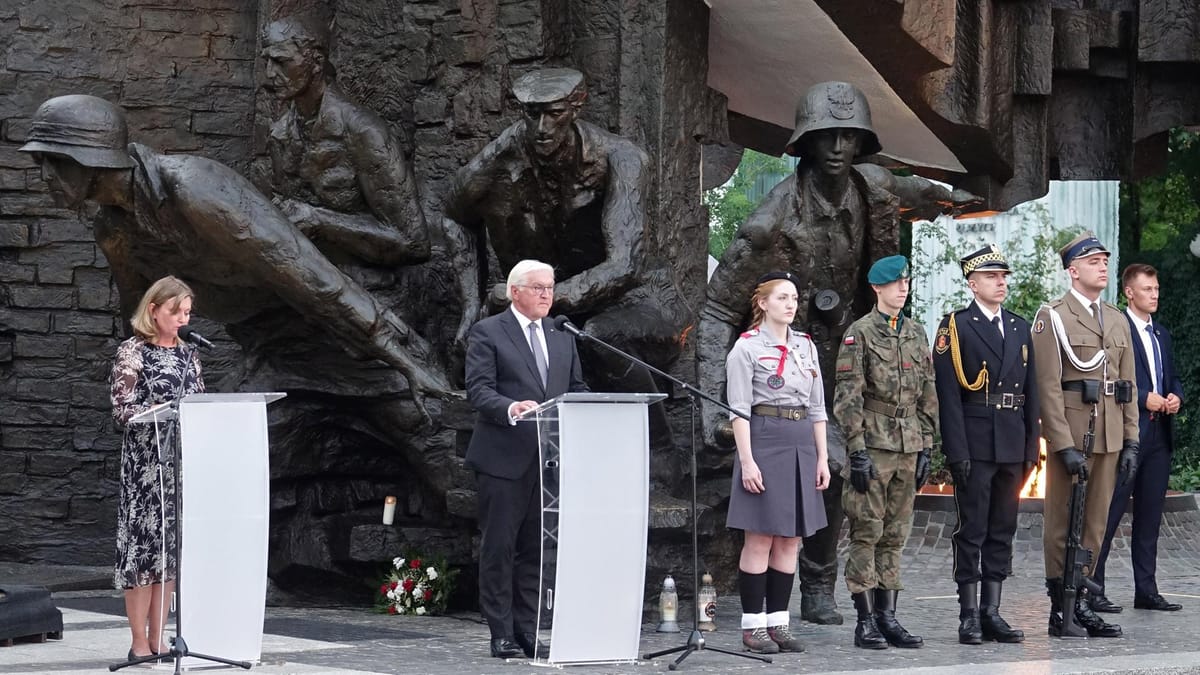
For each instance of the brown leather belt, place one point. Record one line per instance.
(1002, 401)
(885, 408)
(786, 412)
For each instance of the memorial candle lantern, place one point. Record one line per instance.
(389, 509)
(706, 603)
(668, 606)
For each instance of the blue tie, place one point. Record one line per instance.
(1158, 364)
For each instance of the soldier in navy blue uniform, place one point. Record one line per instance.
(987, 398)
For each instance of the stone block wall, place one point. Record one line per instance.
(184, 71)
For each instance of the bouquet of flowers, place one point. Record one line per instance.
(415, 585)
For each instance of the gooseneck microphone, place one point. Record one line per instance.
(190, 335)
(561, 322)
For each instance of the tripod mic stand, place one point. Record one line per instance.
(170, 414)
(695, 641)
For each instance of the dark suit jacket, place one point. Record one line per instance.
(982, 432)
(1141, 364)
(500, 370)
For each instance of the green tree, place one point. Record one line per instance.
(733, 202)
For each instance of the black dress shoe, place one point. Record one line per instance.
(527, 641)
(505, 648)
(1155, 601)
(1101, 603)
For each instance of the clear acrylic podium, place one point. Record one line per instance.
(224, 482)
(595, 477)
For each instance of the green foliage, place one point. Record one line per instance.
(1185, 476)
(1033, 276)
(733, 202)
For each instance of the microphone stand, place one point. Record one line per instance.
(695, 641)
(179, 648)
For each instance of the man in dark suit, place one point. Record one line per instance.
(988, 408)
(1160, 393)
(515, 360)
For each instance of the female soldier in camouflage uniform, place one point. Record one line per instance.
(774, 377)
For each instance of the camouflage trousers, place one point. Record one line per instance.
(880, 521)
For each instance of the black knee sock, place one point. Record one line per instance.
(779, 589)
(753, 588)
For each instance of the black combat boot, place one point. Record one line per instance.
(817, 604)
(885, 618)
(993, 626)
(1054, 589)
(1096, 627)
(866, 633)
(969, 631)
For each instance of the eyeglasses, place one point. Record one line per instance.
(539, 289)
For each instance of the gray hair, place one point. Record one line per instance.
(522, 270)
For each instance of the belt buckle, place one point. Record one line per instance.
(1007, 401)
(793, 414)
(1110, 387)
(901, 411)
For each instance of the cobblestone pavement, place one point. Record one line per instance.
(354, 640)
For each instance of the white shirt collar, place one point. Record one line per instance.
(984, 310)
(1087, 304)
(1141, 325)
(524, 320)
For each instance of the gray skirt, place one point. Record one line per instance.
(791, 505)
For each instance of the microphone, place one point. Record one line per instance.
(190, 335)
(561, 322)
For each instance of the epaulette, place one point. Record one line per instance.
(1112, 306)
(1016, 315)
(750, 333)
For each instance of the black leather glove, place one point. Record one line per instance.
(960, 471)
(1128, 463)
(924, 459)
(862, 471)
(1074, 461)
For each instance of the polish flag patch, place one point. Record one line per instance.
(849, 340)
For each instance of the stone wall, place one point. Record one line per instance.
(184, 71)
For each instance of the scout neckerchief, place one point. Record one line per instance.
(894, 322)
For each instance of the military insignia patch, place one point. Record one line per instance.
(1039, 326)
(942, 343)
(750, 333)
(849, 340)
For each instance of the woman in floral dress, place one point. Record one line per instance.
(154, 366)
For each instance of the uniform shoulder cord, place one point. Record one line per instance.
(981, 380)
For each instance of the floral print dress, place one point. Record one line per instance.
(145, 375)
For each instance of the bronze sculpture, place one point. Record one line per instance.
(825, 223)
(337, 170)
(561, 190)
(161, 213)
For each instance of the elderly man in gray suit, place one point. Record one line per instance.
(515, 360)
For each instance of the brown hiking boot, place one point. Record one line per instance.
(782, 636)
(759, 641)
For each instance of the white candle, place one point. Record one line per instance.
(389, 510)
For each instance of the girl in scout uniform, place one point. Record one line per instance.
(774, 378)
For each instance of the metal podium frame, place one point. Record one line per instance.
(593, 452)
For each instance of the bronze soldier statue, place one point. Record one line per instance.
(337, 170)
(198, 218)
(561, 190)
(826, 222)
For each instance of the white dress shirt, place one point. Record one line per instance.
(1147, 345)
(524, 321)
(990, 316)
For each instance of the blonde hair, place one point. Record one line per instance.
(762, 292)
(520, 271)
(166, 292)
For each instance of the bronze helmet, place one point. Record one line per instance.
(87, 129)
(834, 105)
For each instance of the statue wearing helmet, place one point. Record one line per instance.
(825, 223)
(199, 219)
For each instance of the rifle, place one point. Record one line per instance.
(1077, 557)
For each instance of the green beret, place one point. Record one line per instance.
(889, 269)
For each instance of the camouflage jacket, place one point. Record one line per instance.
(884, 398)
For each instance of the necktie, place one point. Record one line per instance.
(1099, 317)
(999, 328)
(1158, 364)
(539, 356)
